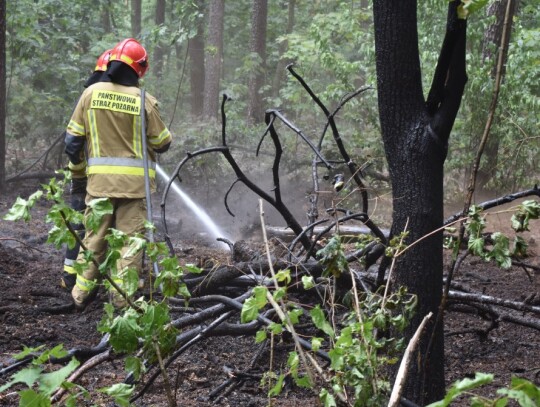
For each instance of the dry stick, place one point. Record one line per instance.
(388, 280)
(23, 243)
(279, 310)
(487, 299)
(395, 397)
(168, 390)
(39, 174)
(89, 364)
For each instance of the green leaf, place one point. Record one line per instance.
(121, 393)
(317, 315)
(275, 328)
(461, 386)
(260, 336)
(520, 247)
(283, 275)
(333, 257)
(99, 208)
(21, 208)
(50, 382)
(27, 351)
(327, 398)
(279, 293)
(467, 7)
(276, 390)
(58, 352)
(250, 310)
(135, 245)
(191, 268)
(59, 236)
(308, 282)
(476, 246)
(135, 366)
(29, 398)
(316, 344)
(124, 332)
(259, 293)
(525, 392)
(295, 314)
(27, 376)
(529, 209)
(303, 381)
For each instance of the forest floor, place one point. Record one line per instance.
(30, 271)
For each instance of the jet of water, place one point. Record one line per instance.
(199, 212)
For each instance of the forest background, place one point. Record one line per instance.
(200, 49)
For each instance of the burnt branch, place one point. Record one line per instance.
(337, 137)
(534, 191)
(450, 77)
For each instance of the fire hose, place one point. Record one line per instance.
(150, 232)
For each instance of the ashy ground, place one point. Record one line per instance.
(29, 277)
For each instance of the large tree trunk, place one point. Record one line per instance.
(415, 135)
(196, 59)
(490, 49)
(257, 46)
(3, 95)
(136, 13)
(159, 51)
(214, 55)
(283, 62)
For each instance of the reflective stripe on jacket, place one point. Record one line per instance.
(107, 123)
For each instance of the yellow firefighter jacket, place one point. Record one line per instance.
(107, 123)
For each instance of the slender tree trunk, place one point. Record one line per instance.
(213, 58)
(491, 42)
(136, 12)
(3, 91)
(159, 52)
(415, 134)
(196, 59)
(106, 17)
(283, 62)
(257, 48)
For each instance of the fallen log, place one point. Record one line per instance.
(349, 233)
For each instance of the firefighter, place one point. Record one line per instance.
(78, 186)
(107, 123)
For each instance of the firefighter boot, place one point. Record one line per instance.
(68, 281)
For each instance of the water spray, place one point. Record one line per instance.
(197, 210)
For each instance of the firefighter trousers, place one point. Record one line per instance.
(128, 217)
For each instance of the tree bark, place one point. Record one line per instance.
(196, 59)
(415, 135)
(257, 47)
(159, 52)
(106, 17)
(213, 58)
(490, 49)
(283, 62)
(3, 91)
(136, 12)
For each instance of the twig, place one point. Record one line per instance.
(89, 364)
(486, 299)
(23, 243)
(405, 362)
(282, 315)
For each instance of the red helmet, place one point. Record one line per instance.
(132, 53)
(102, 61)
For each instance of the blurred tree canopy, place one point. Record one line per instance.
(52, 45)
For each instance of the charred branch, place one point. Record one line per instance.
(534, 191)
(337, 138)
